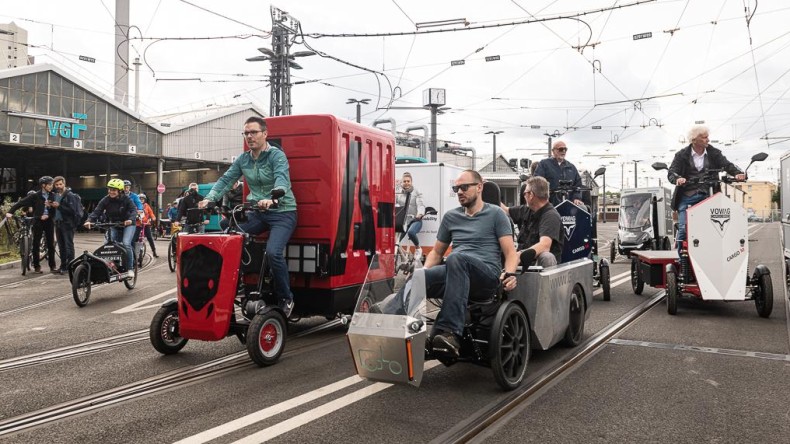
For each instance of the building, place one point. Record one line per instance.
(51, 123)
(13, 46)
(756, 197)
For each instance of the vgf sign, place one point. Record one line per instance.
(67, 130)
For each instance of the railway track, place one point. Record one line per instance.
(156, 384)
(486, 422)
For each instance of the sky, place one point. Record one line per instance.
(572, 69)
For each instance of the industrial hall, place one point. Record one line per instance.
(53, 124)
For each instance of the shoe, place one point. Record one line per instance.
(54, 271)
(155, 255)
(37, 270)
(130, 274)
(287, 307)
(446, 345)
(64, 271)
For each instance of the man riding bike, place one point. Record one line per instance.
(118, 207)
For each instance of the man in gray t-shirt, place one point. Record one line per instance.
(479, 234)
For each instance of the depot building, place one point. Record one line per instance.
(53, 124)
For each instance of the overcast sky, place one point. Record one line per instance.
(573, 67)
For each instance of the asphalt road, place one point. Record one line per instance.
(716, 372)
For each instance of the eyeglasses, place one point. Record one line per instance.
(463, 187)
(251, 133)
(561, 149)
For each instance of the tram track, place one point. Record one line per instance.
(34, 305)
(487, 421)
(72, 351)
(156, 384)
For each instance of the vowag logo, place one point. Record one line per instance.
(719, 218)
(568, 224)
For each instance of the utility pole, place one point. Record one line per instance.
(603, 219)
(137, 84)
(495, 133)
(636, 184)
(281, 61)
(433, 98)
(359, 107)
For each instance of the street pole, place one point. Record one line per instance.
(604, 199)
(359, 107)
(434, 111)
(636, 184)
(495, 159)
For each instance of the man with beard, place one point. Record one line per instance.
(480, 234)
(67, 217)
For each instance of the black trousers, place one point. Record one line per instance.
(47, 228)
(65, 234)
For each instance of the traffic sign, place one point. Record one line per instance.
(160, 188)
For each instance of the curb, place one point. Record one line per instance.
(10, 265)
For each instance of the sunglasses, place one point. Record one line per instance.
(562, 150)
(463, 187)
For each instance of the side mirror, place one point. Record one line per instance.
(659, 166)
(599, 172)
(759, 157)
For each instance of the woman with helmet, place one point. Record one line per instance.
(43, 203)
(148, 218)
(127, 188)
(118, 207)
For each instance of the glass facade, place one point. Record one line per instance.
(101, 127)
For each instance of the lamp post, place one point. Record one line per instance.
(359, 107)
(636, 184)
(495, 133)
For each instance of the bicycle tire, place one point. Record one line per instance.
(24, 254)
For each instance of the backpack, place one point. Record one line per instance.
(79, 211)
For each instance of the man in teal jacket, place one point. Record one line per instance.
(265, 169)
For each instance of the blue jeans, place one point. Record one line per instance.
(414, 227)
(683, 204)
(281, 227)
(127, 235)
(65, 235)
(453, 282)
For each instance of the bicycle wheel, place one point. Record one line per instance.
(81, 286)
(171, 253)
(130, 283)
(24, 253)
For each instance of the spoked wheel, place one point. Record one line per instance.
(509, 346)
(81, 285)
(612, 250)
(130, 283)
(140, 254)
(171, 253)
(605, 278)
(163, 331)
(764, 296)
(672, 292)
(24, 254)
(575, 332)
(266, 338)
(637, 284)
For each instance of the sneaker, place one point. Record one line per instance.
(287, 307)
(155, 255)
(130, 274)
(445, 344)
(37, 270)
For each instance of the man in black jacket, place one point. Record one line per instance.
(44, 212)
(67, 219)
(692, 162)
(189, 201)
(557, 168)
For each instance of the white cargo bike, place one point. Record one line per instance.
(713, 263)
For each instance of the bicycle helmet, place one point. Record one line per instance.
(127, 183)
(45, 180)
(116, 184)
(142, 196)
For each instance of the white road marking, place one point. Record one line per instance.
(313, 414)
(318, 412)
(141, 305)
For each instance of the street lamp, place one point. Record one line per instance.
(636, 185)
(495, 133)
(359, 107)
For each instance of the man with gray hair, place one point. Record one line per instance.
(540, 227)
(692, 162)
(556, 168)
